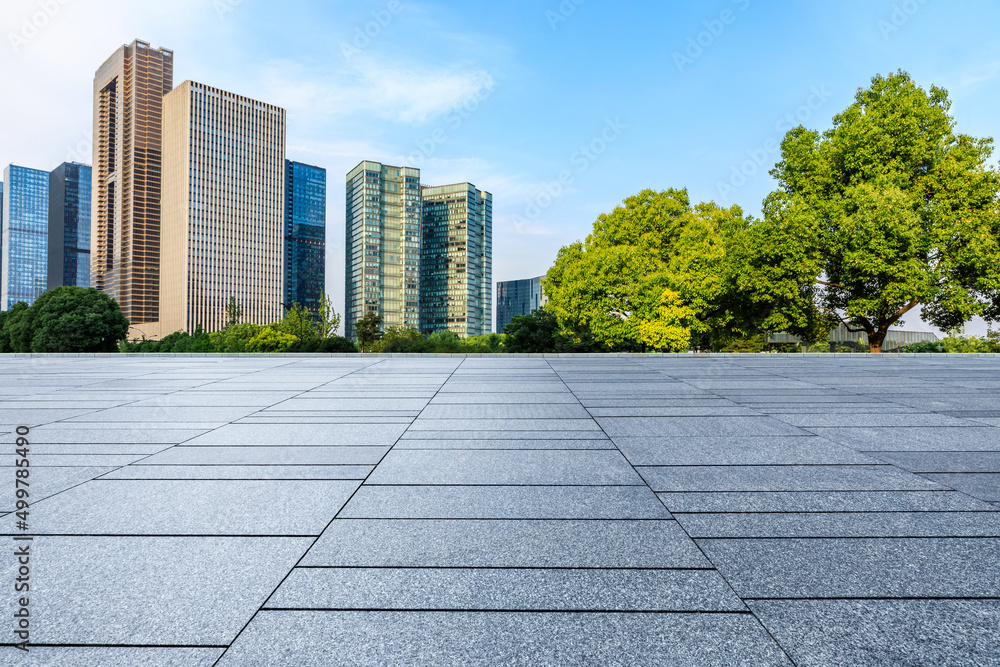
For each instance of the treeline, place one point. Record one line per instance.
(891, 211)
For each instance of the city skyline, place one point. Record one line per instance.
(703, 105)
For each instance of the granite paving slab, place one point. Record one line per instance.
(915, 438)
(985, 486)
(480, 638)
(751, 450)
(823, 501)
(697, 426)
(596, 441)
(120, 656)
(925, 462)
(301, 434)
(269, 455)
(784, 478)
(843, 524)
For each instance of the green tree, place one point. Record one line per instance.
(298, 322)
(368, 330)
(234, 312)
(653, 272)
(271, 339)
(532, 333)
(329, 320)
(69, 319)
(234, 338)
(888, 210)
(9, 321)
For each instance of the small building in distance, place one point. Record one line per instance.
(858, 341)
(518, 297)
(69, 225)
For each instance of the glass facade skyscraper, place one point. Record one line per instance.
(24, 235)
(456, 260)
(305, 235)
(383, 245)
(518, 297)
(69, 225)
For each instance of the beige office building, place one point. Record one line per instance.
(125, 197)
(223, 208)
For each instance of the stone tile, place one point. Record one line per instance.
(587, 467)
(784, 478)
(751, 450)
(924, 462)
(50, 481)
(309, 402)
(823, 501)
(873, 633)
(306, 434)
(503, 543)
(270, 455)
(985, 486)
(210, 507)
(696, 427)
(519, 424)
(596, 442)
(862, 568)
(504, 502)
(843, 524)
(854, 420)
(216, 399)
(671, 411)
(429, 638)
(54, 435)
(505, 590)
(245, 472)
(915, 439)
(497, 435)
(505, 411)
(500, 398)
(121, 656)
(150, 590)
(80, 460)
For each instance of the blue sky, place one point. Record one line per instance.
(560, 109)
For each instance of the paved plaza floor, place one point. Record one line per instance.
(751, 510)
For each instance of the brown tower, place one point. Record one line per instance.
(125, 219)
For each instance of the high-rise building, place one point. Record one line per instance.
(383, 245)
(305, 235)
(69, 225)
(125, 218)
(223, 208)
(24, 235)
(518, 297)
(456, 260)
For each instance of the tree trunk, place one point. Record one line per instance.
(876, 339)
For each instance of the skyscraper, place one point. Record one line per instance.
(24, 235)
(69, 225)
(518, 297)
(128, 115)
(223, 208)
(383, 245)
(456, 260)
(305, 234)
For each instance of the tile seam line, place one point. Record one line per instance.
(306, 552)
(681, 526)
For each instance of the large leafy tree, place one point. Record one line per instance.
(69, 319)
(653, 273)
(368, 330)
(888, 210)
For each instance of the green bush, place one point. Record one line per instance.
(65, 319)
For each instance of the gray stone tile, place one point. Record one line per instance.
(210, 507)
(244, 471)
(61, 434)
(503, 543)
(429, 638)
(924, 462)
(518, 412)
(34, 416)
(504, 502)
(150, 590)
(519, 424)
(784, 478)
(308, 402)
(204, 399)
(704, 427)
(500, 398)
(854, 420)
(985, 486)
(168, 415)
(823, 501)
(775, 450)
(498, 435)
(915, 439)
(270, 455)
(671, 411)
(50, 481)
(305, 434)
(502, 386)
(587, 467)
(862, 567)
(843, 524)
(873, 633)
(597, 442)
(80, 460)
(96, 449)
(505, 590)
(119, 656)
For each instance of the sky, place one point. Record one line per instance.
(560, 108)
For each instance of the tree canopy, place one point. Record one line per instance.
(888, 210)
(651, 274)
(66, 319)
